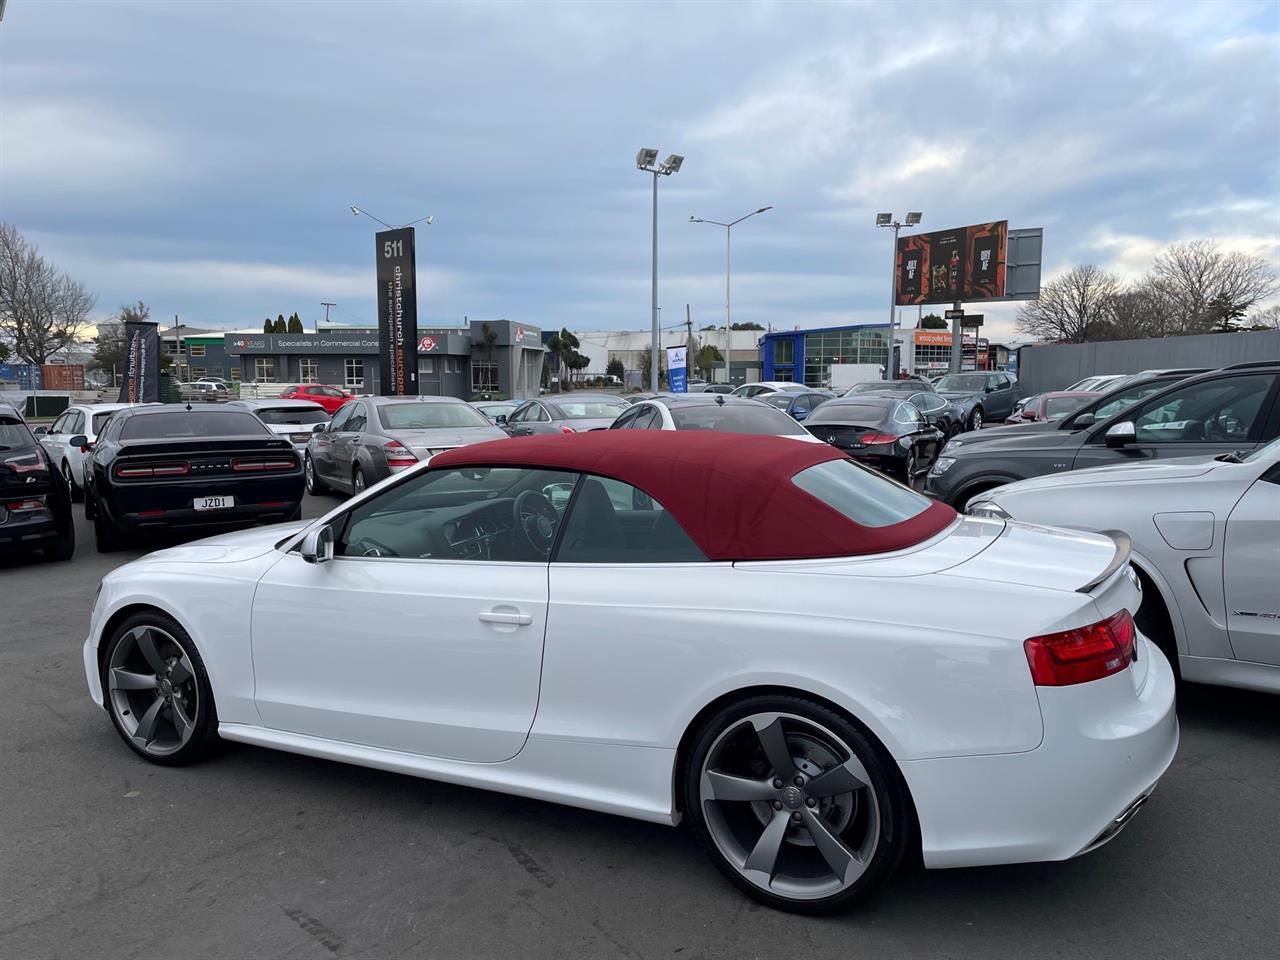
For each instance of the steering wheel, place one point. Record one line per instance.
(537, 519)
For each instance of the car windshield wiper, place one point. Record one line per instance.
(1235, 456)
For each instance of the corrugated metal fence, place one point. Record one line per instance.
(1058, 365)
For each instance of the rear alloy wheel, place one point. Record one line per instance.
(975, 419)
(909, 469)
(157, 691)
(795, 804)
(357, 481)
(314, 485)
(76, 493)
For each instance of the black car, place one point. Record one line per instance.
(946, 415)
(887, 433)
(1232, 410)
(981, 396)
(174, 467)
(35, 502)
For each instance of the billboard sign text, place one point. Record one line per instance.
(397, 313)
(948, 266)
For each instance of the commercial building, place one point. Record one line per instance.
(488, 356)
(631, 346)
(806, 356)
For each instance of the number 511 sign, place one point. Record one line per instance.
(397, 313)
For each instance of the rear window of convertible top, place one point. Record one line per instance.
(861, 494)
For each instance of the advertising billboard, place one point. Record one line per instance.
(397, 313)
(949, 266)
(677, 369)
(141, 383)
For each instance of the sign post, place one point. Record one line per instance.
(397, 313)
(677, 369)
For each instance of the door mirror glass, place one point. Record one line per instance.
(317, 545)
(500, 418)
(320, 428)
(41, 431)
(1121, 434)
(1084, 420)
(79, 440)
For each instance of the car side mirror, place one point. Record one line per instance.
(317, 545)
(1121, 434)
(320, 428)
(79, 440)
(1084, 420)
(500, 418)
(990, 388)
(41, 431)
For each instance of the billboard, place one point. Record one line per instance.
(141, 383)
(949, 266)
(397, 313)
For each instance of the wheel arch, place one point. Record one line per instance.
(123, 613)
(979, 485)
(1171, 614)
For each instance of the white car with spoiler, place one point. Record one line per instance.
(817, 667)
(1206, 544)
(295, 419)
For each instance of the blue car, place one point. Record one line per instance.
(799, 405)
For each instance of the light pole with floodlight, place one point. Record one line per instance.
(728, 231)
(886, 220)
(647, 160)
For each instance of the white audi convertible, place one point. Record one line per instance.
(814, 666)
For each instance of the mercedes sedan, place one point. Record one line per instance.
(595, 619)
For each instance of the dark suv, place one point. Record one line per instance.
(35, 503)
(1224, 411)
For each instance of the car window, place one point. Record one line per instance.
(962, 383)
(1127, 399)
(358, 420)
(14, 434)
(535, 413)
(628, 419)
(1214, 411)
(802, 405)
(927, 402)
(280, 416)
(883, 386)
(499, 514)
(650, 419)
(100, 421)
(736, 418)
(56, 426)
(1055, 407)
(1002, 382)
(862, 495)
(425, 415)
(341, 417)
(779, 400)
(192, 423)
(614, 522)
(863, 412)
(588, 409)
(906, 414)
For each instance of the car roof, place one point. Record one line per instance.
(730, 492)
(881, 399)
(254, 403)
(383, 401)
(151, 409)
(703, 399)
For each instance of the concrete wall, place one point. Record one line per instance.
(1058, 365)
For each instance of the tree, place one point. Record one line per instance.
(4, 352)
(295, 324)
(931, 321)
(646, 365)
(564, 351)
(42, 309)
(615, 368)
(1208, 288)
(1071, 308)
(109, 345)
(280, 326)
(746, 326)
(710, 326)
(706, 358)
(268, 326)
(1268, 319)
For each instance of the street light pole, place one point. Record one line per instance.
(892, 362)
(728, 274)
(647, 160)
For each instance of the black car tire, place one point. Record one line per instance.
(65, 548)
(909, 467)
(975, 419)
(358, 483)
(892, 807)
(315, 485)
(76, 493)
(105, 539)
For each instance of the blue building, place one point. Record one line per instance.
(806, 356)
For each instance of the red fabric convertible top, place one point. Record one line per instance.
(732, 493)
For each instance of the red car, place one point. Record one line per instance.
(1050, 406)
(329, 397)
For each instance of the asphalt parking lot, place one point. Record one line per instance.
(263, 854)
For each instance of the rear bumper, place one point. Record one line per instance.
(18, 538)
(1103, 752)
(136, 508)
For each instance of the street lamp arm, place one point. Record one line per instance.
(357, 211)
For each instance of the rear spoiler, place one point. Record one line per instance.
(1124, 547)
(194, 446)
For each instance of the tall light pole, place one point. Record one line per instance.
(647, 160)
(728, 272)
(886, 220)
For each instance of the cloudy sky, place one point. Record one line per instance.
(202, 157)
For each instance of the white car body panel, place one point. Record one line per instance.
(669, 423)
(60, 451)
(1206, 533)
(594, 714)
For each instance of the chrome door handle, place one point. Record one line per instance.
(518, 619)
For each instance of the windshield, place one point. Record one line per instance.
(1055, 407)
(885, 386)
(963, 383)
(288, 415)
(100, 421)
(1130, 397)
(192, 424)
(779, 400)
(14, 434)
(736, 418)
(589, 409)
(860, 413)
(416, 415)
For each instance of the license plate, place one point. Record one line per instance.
(214, 503)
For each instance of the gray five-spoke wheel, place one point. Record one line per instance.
(152, 689)
(789, 805)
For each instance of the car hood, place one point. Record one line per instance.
(227, 547)
(420, 441)
(1177, 468)
(955, 397)
(987, 434)
(1016, 443)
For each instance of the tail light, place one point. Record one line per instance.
(870, 438)
(263, 464)
(86, 447)
(568, 430)
(32, 462)
(398, 455)
(1083, 654)
(31, 505)
(167, 468)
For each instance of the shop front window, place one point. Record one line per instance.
(484, 376)
(264, 369)
(353, 374)
(823, 348)
(309, 370)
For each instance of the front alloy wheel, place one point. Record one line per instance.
(157, 691)
(975, 419)
(796, 804)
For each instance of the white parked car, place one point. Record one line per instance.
(710, 411)
(1206, 543)
(81, 422)
(766, 386)
(295, 419)
(698, 625)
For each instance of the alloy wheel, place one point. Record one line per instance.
(790, 806)
(152, 690)
(358, 482)
(975, 421)
(310, 471)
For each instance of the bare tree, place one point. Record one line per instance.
(109, 344)
(1208, 288)
(42, 309)
(1073, 308)
(1268, 319)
